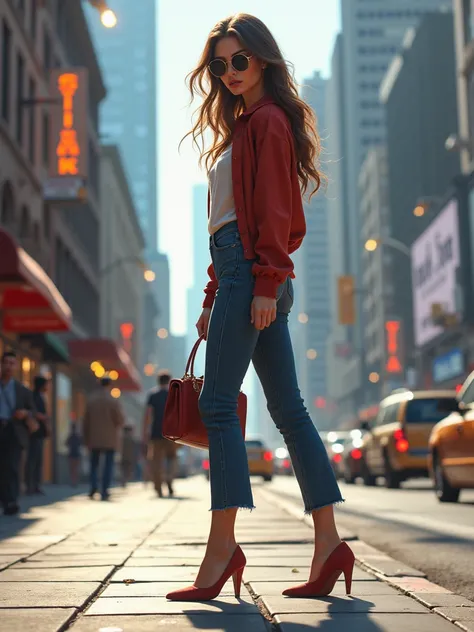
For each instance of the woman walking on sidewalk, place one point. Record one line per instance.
(264, 153)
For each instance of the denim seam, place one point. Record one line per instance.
(215, 378)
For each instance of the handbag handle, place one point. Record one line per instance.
(192, 356)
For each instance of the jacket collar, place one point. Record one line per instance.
(265, 100)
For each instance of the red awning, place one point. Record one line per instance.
(29, 300)
(111, 356)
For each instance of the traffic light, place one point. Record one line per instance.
(346, 300)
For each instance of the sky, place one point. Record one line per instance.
(306, 38)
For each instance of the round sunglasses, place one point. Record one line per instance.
(239, 62)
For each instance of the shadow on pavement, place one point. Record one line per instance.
(13, 525)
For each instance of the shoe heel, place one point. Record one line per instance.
(348, 576)
(237, 578)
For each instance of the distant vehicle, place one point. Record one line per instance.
(282, 462)
(335, 442)
(351, 464)
(189, 461)
(396, 446)
(451, 446)
(260, 459)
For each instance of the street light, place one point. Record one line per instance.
(108, 19)
(149, 276)
(372, 244)
(107, 16)
(374, 377)
(303, 318)
(311, 354)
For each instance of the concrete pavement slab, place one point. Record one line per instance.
(363, 623)
(159, 605)
(442, 600)
(417, 585)
(153, 589)
(70, 563)
(156, 574)
(389, 567)
(41, 595)
(193, 561)
(335, 605)
(359, 588)
(210, 622)
(6, 560)
(298, 573)
(38, 619)
(78, 560)
(76, 574)
(458, 613)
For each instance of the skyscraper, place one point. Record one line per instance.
(312, 280)
(127, 55)
(372, 34)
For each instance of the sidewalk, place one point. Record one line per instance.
(90, 566)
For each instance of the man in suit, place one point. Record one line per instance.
(16, 422)
(102, 425)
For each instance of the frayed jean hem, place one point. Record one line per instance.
(244, 507)
(334, 503)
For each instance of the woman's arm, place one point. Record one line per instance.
(272, 201)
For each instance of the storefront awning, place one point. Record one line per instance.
(29, 300)
(111, 356)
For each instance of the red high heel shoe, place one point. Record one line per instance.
(340, 561)
(235, 569)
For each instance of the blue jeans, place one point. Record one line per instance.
(107, 470)
(233, 342)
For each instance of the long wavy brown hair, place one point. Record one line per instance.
(220, 108)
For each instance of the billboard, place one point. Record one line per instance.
(69, 149)
(435, 263)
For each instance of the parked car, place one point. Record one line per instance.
(396, 446)
(335, 443)
(451, 447)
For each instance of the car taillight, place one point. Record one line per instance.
(401, 442)
(337, 458)
(268, 456)
(205, 464)
(286, 463)
(356, 454)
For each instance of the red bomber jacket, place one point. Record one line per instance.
(267, 197)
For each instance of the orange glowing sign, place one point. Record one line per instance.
(394, 364)
(69, 139)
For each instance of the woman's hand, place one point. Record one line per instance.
(262, 312)
(202, 324)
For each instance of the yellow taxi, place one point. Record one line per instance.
(261, 462)
(451, 457)
(396, 445)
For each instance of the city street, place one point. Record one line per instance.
(411, 525)
(88, 566)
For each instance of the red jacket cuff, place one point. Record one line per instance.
(265, 286)
(208, 301)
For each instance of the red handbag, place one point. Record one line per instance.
(182, 422)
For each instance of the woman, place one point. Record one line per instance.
(264, 153)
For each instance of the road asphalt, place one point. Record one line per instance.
(92, 566)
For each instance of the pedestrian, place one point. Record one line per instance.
(129, 455)
(161, 452)
(263, 156)
(17, 421)
(34, 459)
(74, 443)
(102, 425)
